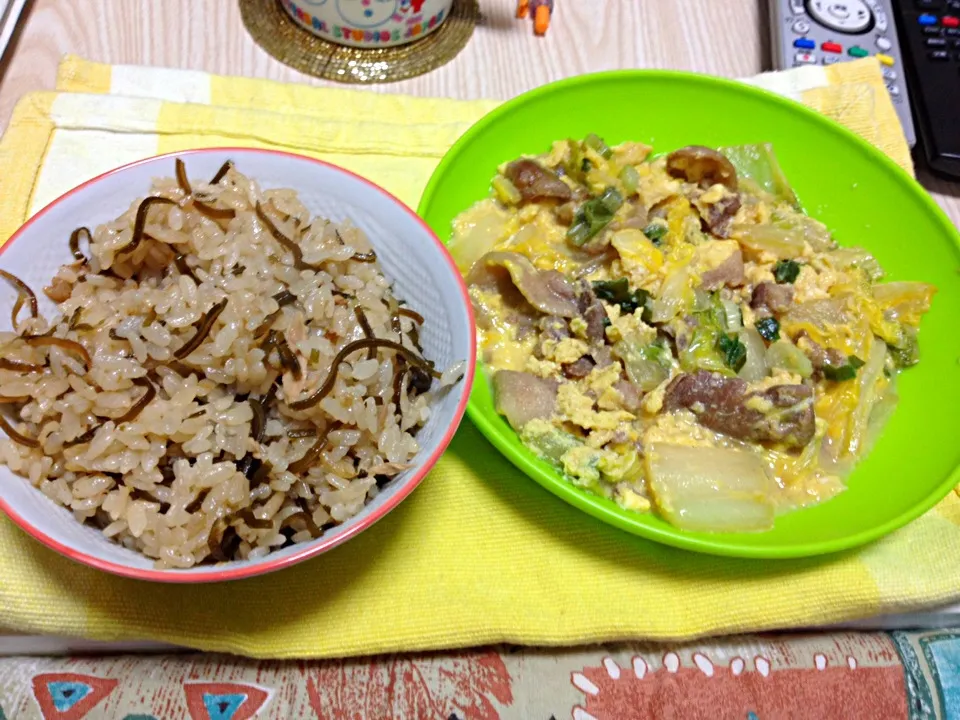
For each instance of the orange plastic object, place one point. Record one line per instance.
(541, 20)
(523, 7)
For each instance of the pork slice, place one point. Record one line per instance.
(579, 368)
(772, 297)
(784, 413)
(593, 312)
(546, 290)
(729, 272)
(630, 393)
(521, 397)
(819, 356)
(717, 216)
(536, 182)
(553, 328)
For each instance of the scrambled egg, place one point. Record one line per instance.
(577, 407)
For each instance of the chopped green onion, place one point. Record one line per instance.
(847, 371)
(594, 215)
(579, 233)
(734, 351)
(786, 271)
(596, 143)
(618, 292)
(610, 200)
(630, 179)
(769, 329)
(655, 232)
(506, 191)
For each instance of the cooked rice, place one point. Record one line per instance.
(184, 481)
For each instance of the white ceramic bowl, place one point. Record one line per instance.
(409, 252)
(369, 23)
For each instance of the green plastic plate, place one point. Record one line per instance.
(862, 196)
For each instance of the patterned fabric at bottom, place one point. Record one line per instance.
(900, 675)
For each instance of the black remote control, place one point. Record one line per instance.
(929, 32)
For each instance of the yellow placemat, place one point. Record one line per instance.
(478, 554)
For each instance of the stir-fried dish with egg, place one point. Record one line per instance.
(674, 333)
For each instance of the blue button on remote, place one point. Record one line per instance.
(927, 19)
(804, 43)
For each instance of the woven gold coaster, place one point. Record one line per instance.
(279, 35)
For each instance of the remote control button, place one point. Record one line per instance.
(931, 31)
(832, 47)
(928, 4)
(805, 43)
(805, 58)
(939, 55)
(889, 75)
(801, 27)
(883, 44)
(949, 21)
(857, 52)
(935, 42)
(953, 4)
(927, 19)
(847, 16)
(885, 59)
(955, 44)
(893, 90)
(880, 21)
(797, 7)
(829, 59)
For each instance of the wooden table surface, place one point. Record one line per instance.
(722, 37)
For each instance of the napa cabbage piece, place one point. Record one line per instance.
(716, 342)
(780, 242)
(846, 407)
(702, 351)
(755, 366)
(758, 169)
(676, 293)
(710, 489)
(760, 173)
(831, 324)
(786, 235)
(476, 232)
(844, 258)
(784, 355)
(804, 228)
(646, 364)
(640, 257)
(548, 441)
(905, 302)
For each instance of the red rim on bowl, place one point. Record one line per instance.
(321, 545)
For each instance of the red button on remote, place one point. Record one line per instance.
(831, 47)
(950, 21)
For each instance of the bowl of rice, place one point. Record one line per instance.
(222, 362)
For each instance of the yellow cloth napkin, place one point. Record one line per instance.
(479, 553)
